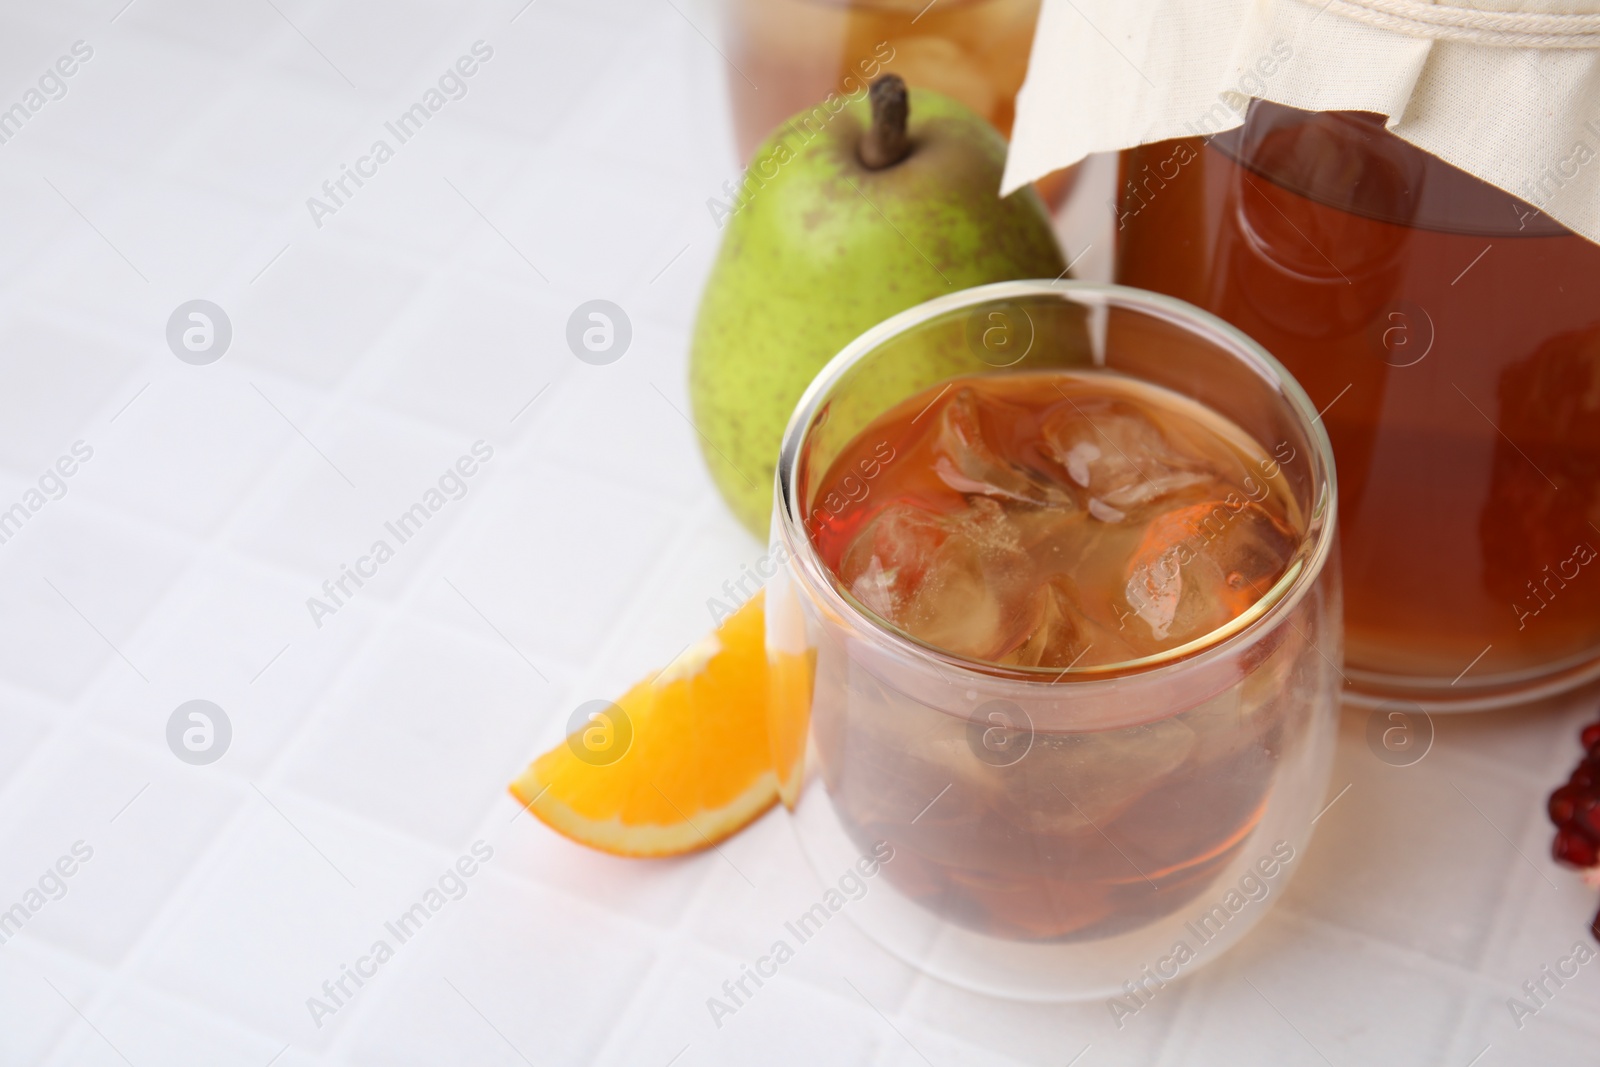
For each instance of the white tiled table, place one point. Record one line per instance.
(371, 752)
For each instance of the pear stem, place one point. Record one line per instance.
(885, 143)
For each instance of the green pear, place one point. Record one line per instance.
(842, 222)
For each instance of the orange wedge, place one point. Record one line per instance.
(680, 762)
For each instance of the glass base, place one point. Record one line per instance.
(1371, 689)
(1129, 968)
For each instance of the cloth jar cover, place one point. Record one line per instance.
(1507, 90)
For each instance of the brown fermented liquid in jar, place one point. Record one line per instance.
(1450, 332)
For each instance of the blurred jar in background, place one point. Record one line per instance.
(790, 54)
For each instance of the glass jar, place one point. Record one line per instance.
(1449, 333)
(790, 55)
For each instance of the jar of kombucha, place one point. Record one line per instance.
(1449, 334)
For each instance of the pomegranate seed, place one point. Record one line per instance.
(1574, 849)
(1563, 802)
(1574, 808)
(1587, 819)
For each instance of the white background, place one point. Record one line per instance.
(369, 753)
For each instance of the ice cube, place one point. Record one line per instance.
(1201, 565)
(974, 597)
(885, 564)
(960, 581)
(1058, 633)
(967, 463)
(1117, 456)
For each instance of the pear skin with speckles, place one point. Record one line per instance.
(819, 247)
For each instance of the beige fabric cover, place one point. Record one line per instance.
(1508, 90)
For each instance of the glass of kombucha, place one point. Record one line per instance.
(789, 55)
(1450, 333)
(1060, 566)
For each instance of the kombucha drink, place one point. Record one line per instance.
(1451, 332)
(1046, 522)
(790, 55)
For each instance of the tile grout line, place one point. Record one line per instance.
(217, 552)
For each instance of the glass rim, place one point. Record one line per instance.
(1282, 597)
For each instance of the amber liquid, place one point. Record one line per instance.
(1451, 332)
(1055, 519)
(789, 55)
(1034, 500)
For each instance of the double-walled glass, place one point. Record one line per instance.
(1041, 833)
